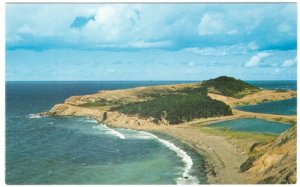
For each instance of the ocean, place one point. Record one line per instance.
(275, 85)
(77, 150)
(283, 107)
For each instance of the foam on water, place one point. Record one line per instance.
(108, 130)
(186, 178)
(91, 120)
(31, 116)
(114, 132)
(187, 160)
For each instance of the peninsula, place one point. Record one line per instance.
(183, 111)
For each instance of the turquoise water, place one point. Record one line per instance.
(77, 150)
(283, 107)
(252, 125)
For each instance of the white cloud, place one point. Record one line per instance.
(143, 44)
(25, 29)
(211, 23)
(289, 62)
(255, 60)
(111, 24)
(126, 26)
(147, 25)
(233, 31)
(252, 46)
(138, 44)
(228, 22)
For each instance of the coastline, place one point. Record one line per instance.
(221, 166)
(223, 160)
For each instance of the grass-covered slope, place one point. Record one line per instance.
(229, 86)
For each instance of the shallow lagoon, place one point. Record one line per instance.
(252, 125)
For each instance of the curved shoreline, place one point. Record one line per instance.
(214, 164)
(186, 177)
(223, 160)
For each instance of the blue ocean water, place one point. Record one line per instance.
(283, 107)
(76, 150)
(252, 125)
(275, 85)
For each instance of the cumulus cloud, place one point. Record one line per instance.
(211, 23)
(94, 26)
(255, 60)
(289, 62)
(111, 23)
(227, 22)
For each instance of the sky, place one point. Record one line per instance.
(151, 41)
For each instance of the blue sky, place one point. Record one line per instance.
(151, 41)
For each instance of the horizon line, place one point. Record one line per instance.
(139, 80)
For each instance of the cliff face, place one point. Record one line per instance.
(67, 110)
(275, 162)
(114, 119)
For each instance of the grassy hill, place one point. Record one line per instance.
(229, 86)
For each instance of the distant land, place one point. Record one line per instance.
(184, 112)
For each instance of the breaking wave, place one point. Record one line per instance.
(186, 178)
(32, 116)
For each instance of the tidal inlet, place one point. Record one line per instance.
(150, 93)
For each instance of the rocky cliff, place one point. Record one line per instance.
(274, 162)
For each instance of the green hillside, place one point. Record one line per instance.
(229, 86)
